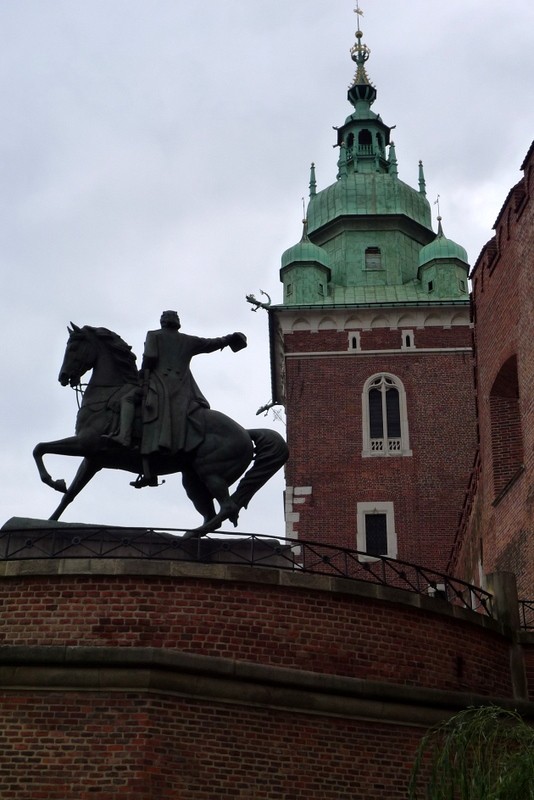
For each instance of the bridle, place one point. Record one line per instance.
(79, 388)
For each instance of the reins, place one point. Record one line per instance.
(79, 388)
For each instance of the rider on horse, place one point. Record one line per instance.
(170, 396)
(176, 416)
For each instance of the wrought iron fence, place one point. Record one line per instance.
(248, 549)
(526, 615)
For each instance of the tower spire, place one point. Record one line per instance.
(364, 137)
(422, 182)
(313, 182)
(361, 87)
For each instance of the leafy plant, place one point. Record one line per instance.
(478, 754)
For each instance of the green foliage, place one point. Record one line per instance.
(479, 754)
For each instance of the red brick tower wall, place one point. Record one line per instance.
(324, 428)
(499, 531)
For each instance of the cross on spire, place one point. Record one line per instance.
(359, 14)
(359, 52)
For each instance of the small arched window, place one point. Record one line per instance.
(365, 143)
(385, 421)
(380, 142)
(407, 340)
(354, 340)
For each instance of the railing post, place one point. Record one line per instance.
(503, 586)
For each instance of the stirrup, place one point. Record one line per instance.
(142, 480)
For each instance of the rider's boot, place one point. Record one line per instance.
(146, 478)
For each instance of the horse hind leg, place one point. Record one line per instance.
(199, 495)
(216, 486)
(271, 453)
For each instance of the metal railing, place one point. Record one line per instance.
(526, 615)
(248, 549)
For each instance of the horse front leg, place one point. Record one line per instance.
(62, 447)
(86, 471)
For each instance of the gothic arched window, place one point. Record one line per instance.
(506, 435)
(385, 421)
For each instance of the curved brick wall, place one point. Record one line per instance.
(263, 616)
(185, 750)
(141, 680)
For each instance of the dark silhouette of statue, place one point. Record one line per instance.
(170, 396)
(159, 422)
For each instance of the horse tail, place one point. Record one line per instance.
(270, 453)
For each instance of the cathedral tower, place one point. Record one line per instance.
(372, 355)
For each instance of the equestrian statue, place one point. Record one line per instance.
(157, 422)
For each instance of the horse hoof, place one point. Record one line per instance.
(230, 511)
(60, 486)
(196, 533)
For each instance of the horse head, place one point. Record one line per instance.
(87, 347)
(80, 355)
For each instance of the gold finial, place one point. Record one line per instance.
(359, 52)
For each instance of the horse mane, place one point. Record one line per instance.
(125, 360)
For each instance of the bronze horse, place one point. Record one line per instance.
(207, 472)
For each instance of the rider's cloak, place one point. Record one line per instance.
(170, 424)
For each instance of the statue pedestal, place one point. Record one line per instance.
(22, 538)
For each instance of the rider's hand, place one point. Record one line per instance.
(237, 341)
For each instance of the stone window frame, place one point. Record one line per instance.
(385, 447)
(385, 507)
(408, 339)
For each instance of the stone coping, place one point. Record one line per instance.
(216, 679)
(272, 576)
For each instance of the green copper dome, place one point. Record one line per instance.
(305, 272)
(305, 252)
(368, 193)
(442, 249)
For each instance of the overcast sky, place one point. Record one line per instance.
(154, 154)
